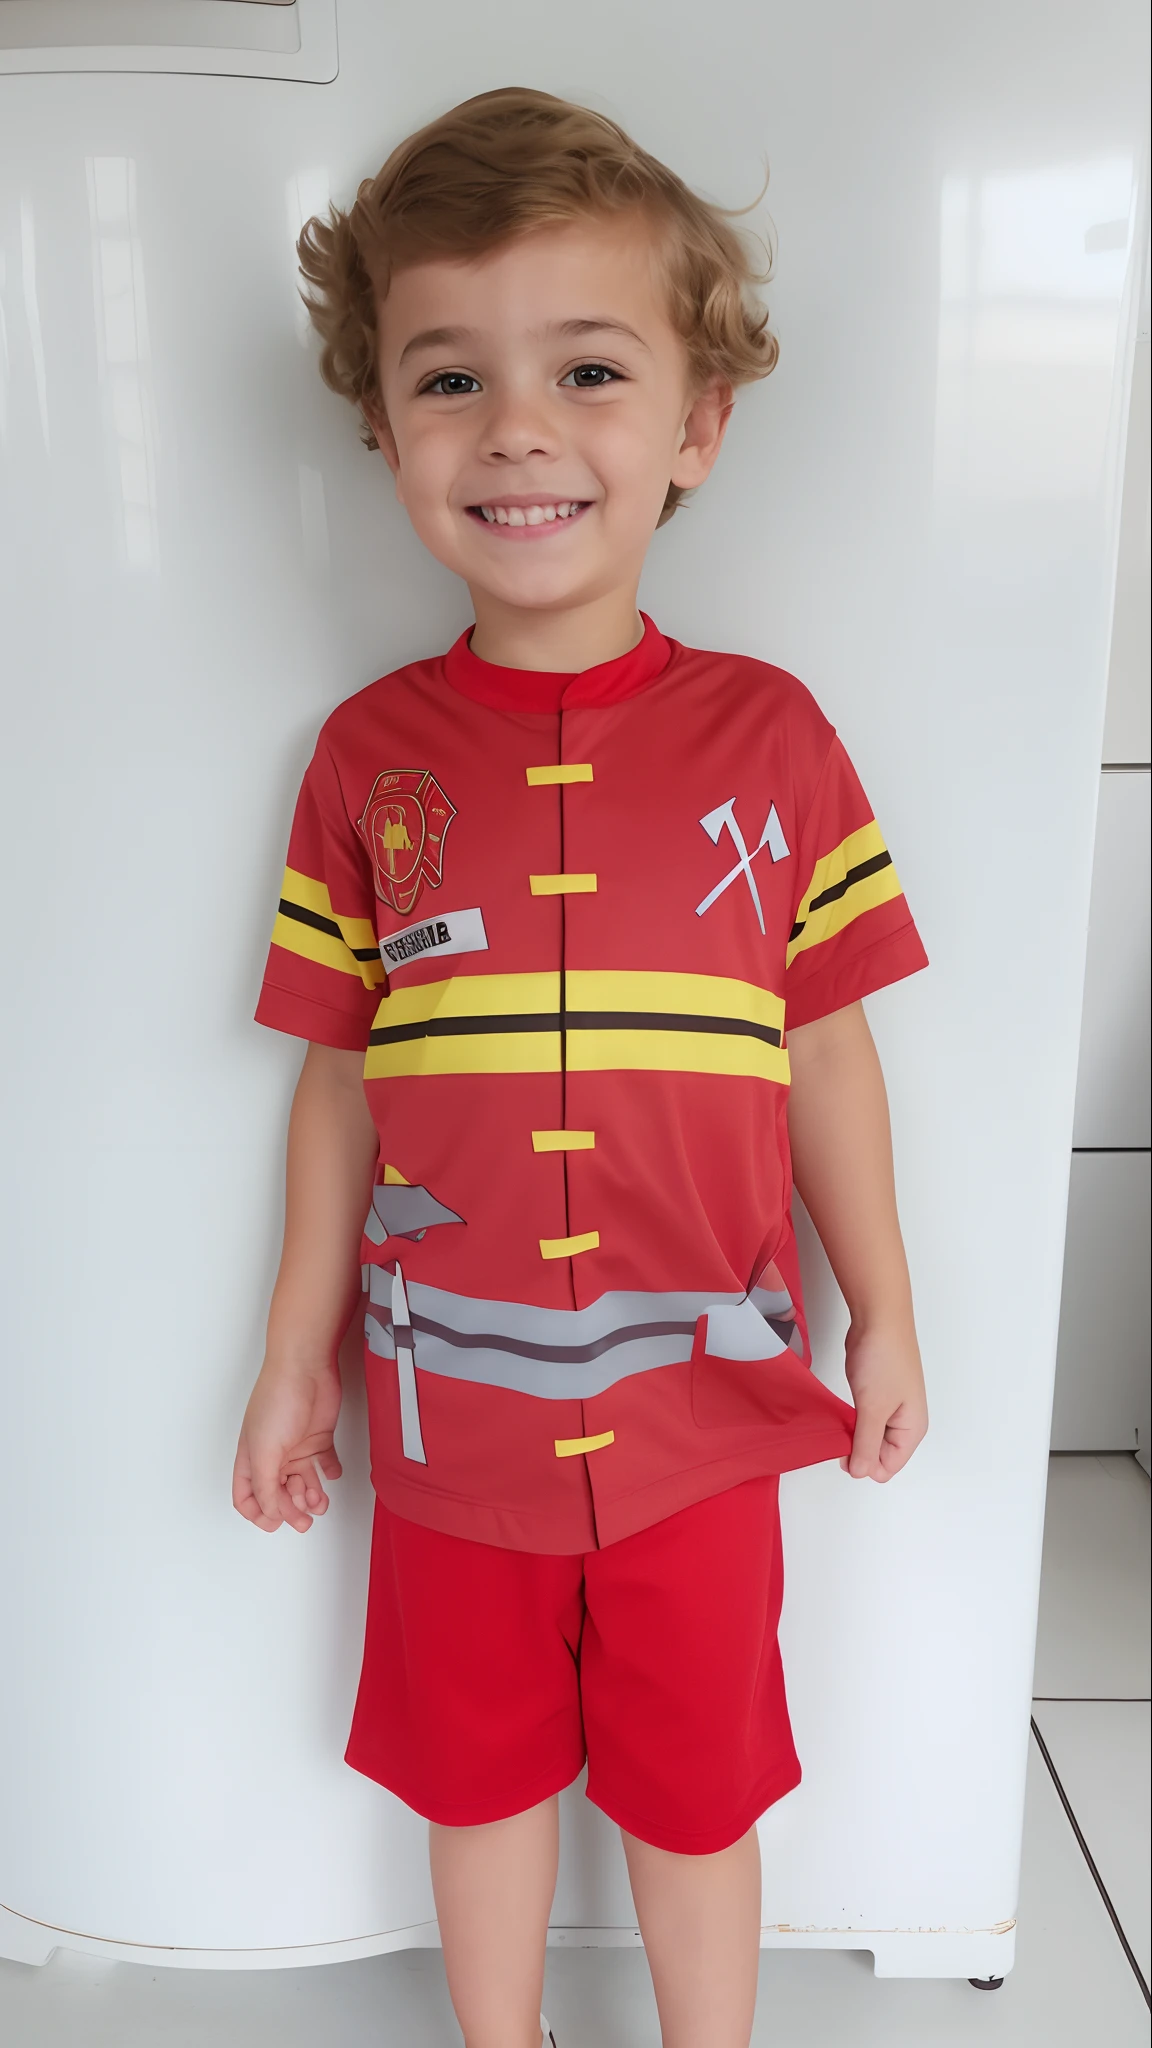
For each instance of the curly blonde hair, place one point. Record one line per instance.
(502, 165)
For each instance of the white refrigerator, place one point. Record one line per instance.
(917, 514)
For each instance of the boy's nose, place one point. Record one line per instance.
(516, 430)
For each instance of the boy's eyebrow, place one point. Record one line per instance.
(448, 337)
(601, 324)
(435, 337)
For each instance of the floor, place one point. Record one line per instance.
(1082, 1963)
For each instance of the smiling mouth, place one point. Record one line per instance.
(521, 520)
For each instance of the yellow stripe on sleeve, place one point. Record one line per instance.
(855, 877)
(307, 925)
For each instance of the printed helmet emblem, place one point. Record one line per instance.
(404, 824)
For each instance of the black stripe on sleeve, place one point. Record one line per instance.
(859, 873)
(325, 924)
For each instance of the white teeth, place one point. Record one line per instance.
(529, 515)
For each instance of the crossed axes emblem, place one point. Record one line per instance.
(723, 818)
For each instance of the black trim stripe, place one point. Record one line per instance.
(575, 1020)
(860, 873)
(328, 925)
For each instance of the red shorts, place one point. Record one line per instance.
(490, 1675)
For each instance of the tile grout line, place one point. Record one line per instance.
(1091, 1862)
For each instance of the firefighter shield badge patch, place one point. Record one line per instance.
(404, 825)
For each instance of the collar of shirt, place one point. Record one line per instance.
(530, 689)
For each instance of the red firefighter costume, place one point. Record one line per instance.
(566, 919)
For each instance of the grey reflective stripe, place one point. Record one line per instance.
(777, 1309)
(772, 1304)
(556, 1354)
(410, 1434)
(404, 1209)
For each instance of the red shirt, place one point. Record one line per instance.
(566, 919)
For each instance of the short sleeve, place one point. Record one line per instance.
(852, 930)
(324, 973)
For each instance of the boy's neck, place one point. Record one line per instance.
(563, 642)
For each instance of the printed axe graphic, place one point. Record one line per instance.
(724, 818)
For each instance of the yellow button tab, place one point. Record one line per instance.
(563, 1141)
(567, 1247)
(571, 1446)
(562, 885)
(564, 771)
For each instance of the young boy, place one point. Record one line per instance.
(552, 899)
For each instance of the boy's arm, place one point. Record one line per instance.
(842, 1164)
(291, 1416)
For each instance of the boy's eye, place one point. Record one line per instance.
(453, 384)
(590, 376)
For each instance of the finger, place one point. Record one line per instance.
(897, 1448)
(243, 1498)
(251, 1511)
(275, 1500)
(330, 1465)
(305, 1486)
(866, 1442)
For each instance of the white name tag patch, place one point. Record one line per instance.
(458, 931)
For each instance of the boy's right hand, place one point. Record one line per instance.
(287, 1432)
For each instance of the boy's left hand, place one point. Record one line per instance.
(887, 1382)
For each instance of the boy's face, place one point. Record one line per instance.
(537, 404)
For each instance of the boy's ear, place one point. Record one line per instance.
(385, 439)
(702, 433)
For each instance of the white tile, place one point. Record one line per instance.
(1071, 1984)
(1100, 1751)
(1093, 1636)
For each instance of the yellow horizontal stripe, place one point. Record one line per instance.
(321, 947)
(495, 1052)
(472, 995)
(569, 771)
(538, 1052)
(681, 995)
(313, 895)
(675, 1052)
(571, 1446)
(567, 1247)
(562, 885)
(563, 1141)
